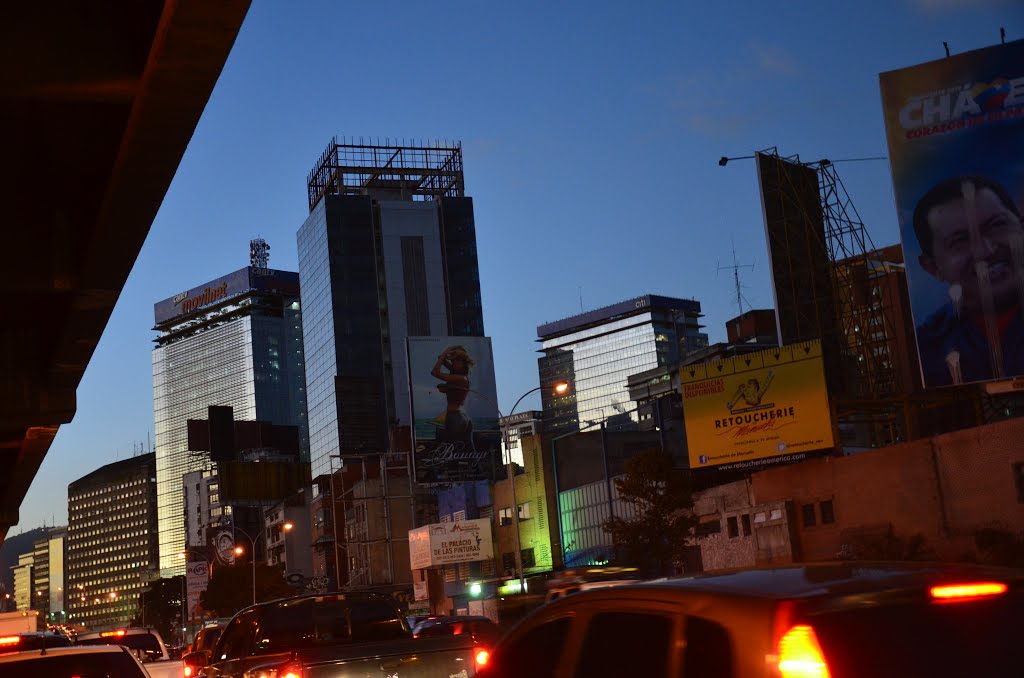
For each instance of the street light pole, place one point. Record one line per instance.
(252, 553)
(510, 473)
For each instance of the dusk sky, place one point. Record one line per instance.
(591, 134)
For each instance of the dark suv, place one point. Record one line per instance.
(843, 620)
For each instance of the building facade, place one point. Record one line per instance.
(112, 539)
(517, 427)
(234, 342)
(56, 580)
(388, 252)
(596, 352)
(23, 581)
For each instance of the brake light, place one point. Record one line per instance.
(188, 671)
(112, 634)
(10, 640)
(970, 591)
(800, 655)
(482, 657)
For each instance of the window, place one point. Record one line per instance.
(648, 637)
(238, 636)
(708, 650)
(808, 513)
(828, 514)
(709, 527)
(733, 525)
(534, 654)
(760, 517)
(524, 511)
(745, 520)
(505, 516)
(508, 561)
(528, 558)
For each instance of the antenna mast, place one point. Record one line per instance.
(735, 268)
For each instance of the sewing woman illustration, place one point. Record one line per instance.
(751, 392)
(454, 425)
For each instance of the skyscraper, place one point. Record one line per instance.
(235, 341)
(388, 252)
(596, 352)
(111, 541)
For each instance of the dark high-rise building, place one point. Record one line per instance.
(234, 342)
(596, 353)
(112, 540)
(388, 252)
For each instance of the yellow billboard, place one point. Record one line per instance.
(757, 408)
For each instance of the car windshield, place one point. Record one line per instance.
(973, 638)
(90, 665)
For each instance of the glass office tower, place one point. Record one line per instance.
(235, 341)
(388, 252)
(596, 352)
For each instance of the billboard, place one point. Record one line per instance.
(956, 145)
(197, 576)
(220, 544)
(758, 408)
(461, 541)
(224, 287)
(454, 410)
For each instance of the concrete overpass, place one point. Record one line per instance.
(98, 102)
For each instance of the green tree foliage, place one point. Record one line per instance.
(160, 607)
(663, 498)
(230, 588)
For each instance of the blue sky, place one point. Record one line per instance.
(591, 133)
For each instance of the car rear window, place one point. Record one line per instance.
(146, 642)
(208, 638)
(92, 665)
(967, 638)
(314, 623)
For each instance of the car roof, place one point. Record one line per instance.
(57, 651)
(827, 579)
(131, 631)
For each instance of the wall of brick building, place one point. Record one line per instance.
(943, 489)
(749, 534)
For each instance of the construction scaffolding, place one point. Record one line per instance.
(409, 172)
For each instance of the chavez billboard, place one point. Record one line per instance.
(956, 145)
(758, 408)
(454, 412)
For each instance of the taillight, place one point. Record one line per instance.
(188, 671)
(800, 655)
(968, 591)
(10, 640)
(482, 657)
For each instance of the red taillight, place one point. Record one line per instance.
(800, 655)
(10, 640)
(968, 591)
(482, 657)
(188, 671)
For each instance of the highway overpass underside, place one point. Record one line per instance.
(98, 102)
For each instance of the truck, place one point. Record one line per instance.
(22, 621)
(145, 643)
(333, 636)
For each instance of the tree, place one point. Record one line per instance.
(160, 607)
(230, 588)
(662, 495)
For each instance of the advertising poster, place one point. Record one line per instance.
(757, 409)
(461, 541)
(197, 579)
(454, 410)
(220, 544)
(955, 128)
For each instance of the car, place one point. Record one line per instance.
(144, 642)
(33, 641)
(837, 620)
(108, 661)
(201, 648)
(481, 628)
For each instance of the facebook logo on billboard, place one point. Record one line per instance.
(703, 458)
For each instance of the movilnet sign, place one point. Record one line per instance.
(462, 541)
(757, 408)
(222, 288)
(955, 128)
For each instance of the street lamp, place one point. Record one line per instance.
(287, 527)
(560, 389)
